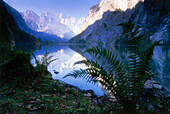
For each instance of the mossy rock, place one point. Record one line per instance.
(17, 68)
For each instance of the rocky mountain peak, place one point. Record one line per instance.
(118, 4)
(96, 12)
(56, 24)
(30, 14)
(29, 11)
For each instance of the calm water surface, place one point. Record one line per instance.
(64, 65)
(67, 56)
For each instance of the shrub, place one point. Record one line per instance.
(15, 65)
(42, 64)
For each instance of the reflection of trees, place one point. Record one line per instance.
(165, 50)
(78, 48)
(161, 59)
(120, 51)
(161, 65)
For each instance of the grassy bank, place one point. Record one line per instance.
(45, 95)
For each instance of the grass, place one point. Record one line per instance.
(46, 95)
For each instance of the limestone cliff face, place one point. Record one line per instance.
(101, 24)
(97, 11)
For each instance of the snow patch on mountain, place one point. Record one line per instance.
(56, 24)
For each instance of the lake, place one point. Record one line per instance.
(68, 55)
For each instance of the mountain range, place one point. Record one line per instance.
(56, 24)
(47, 26)
(23, 26)
(101, 24)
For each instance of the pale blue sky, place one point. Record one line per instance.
(72, 8)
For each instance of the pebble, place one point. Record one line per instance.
(112, 100)
(88, 95)
(95, 101)
(34, 108)
(56, 72)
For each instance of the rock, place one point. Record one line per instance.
(112, 100)
(64, 97)
(160, 106)
(153, 88)
(152, 84)
(148, 84)
(101, 24)
(92, 93)
(94, 101)
(56, 72)
(150, 107)
(33, 102)
(88, 95)
(34, 108)
(97, 11)
(29, 106)
(20, 104)
(157, 86)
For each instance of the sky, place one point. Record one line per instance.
(71, 8)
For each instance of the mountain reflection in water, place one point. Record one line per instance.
(69, 55)
(64, 65)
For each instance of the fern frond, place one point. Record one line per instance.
(109, 57)
(145, 59)
(51, 61)
(139, 60)
(86, 74)
(37, 62)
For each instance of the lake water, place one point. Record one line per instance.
(64, 65)
(68, 55)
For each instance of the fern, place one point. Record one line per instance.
(139, 59)
(124, 82)
(43, 63)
